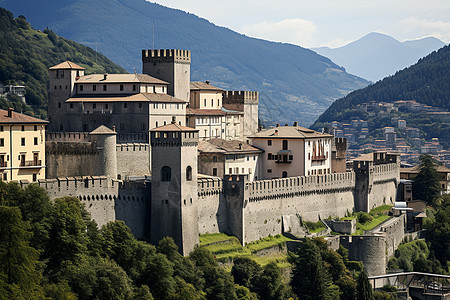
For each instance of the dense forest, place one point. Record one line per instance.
(427, 82)
(26, 54)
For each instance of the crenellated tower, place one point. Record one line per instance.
(247, 102)
(174, 210)
(171, 65)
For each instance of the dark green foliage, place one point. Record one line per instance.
(439, 233)
(26, 55)
(364, 289)
(363, 217)
(426, 185)
(245, 270)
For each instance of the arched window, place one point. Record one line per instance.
(284, 174)
(214, 158)
(189, 173)
(166, 173)
(285, 145)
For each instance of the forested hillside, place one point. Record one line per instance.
(427, 82)
(26, 54)
(295, 84)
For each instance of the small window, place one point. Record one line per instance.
(22, 141)
(104, 87)
(121, 87)
(134, 87)
(269, 142)
(204, 102)
(1, 128)
(269, 156)
(71, 105)
(248, 158)
(214, 171)
(230, 171)
(166, 173)
(284, 174)
(35, 140)
(106, 106)
(94, 105)
(189, 173)
(125, 105)
(59, 104)
(156, 124)
(140, 105)
(60, 87)
(290, 157)
(269, 170)
(285, 145)
(34, 177)
(94, 87)
(61, 128)
(2, 142)
(214, 158)
(81, 87)
(23, 127)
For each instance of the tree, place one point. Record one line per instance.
(269, 285)
(426, 184)
(245, 270)
(364, 289)
(309, 278)
(19, 261)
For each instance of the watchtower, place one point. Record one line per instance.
(247, 102)
(174, 185)
(171, 65)
(62, 83)
(105, 140)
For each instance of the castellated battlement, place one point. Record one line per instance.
(300, 186)
(240, 97)
(166, 55)
(81, 137)
(132, 147)
(210, 186)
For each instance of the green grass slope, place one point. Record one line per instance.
(26, 54)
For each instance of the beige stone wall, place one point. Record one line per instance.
(317, 167)
(206, 99)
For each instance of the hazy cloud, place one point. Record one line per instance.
(294, 31)
(424, 27)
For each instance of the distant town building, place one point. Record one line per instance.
(17, 90)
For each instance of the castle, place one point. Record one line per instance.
(121, 144)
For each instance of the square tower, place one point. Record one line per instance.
(174, 210)
(171, 65)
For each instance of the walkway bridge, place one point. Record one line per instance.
(418, 285)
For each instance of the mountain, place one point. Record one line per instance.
(427, 82)
(294, 83)
(26, 54)
(377, 55)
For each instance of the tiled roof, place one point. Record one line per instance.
(102, 129)
(292, 132)
(18, 118)
(416, 169)
(227, 146)
(199, 85)
(173, 127)
(67, 65)
(120, 78)
(141, 97)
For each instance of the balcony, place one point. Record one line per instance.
(31, 163)
(3, 164)
(318, 157)
(284, 157)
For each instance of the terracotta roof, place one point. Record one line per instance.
(199, 85)
(67, 65)
(120, 78)
(416, 169)
(173, 127)
(205, 112)
(102, 129)
(291, 132)
(141, 97)
(227, 146)
(18, 118)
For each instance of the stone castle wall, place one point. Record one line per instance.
(133, 159)
(384, 184)
(212, 212)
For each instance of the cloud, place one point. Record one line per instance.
(425, 27)
(294, 31)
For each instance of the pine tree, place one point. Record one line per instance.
(364, 289)
(426, 184)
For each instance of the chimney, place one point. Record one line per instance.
(276, 132)
(207, 81)
(105, 76)
(286, 124)
(295, 124)
(240, 146)
(174, 120)
(114, 128)
(278, 125)
(10, 112)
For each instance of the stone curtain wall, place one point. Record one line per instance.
(212, 212)
(384, 186)
(133, 159)
(311, 197)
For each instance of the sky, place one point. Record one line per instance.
(332, 23)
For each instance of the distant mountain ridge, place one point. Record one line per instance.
(377, 55)
(295, 83)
